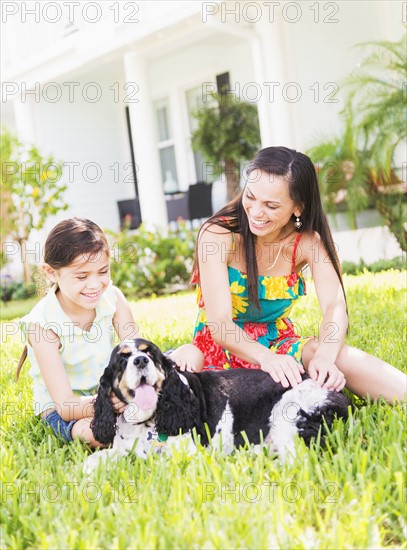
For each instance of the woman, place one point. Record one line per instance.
(250, 257)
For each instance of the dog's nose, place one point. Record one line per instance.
(141, 362)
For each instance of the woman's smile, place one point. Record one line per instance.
(267, 203)
(258, 223)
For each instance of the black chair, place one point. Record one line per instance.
(200, 200)
(129, 209)
(177, 207)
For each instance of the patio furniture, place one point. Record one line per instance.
(177, 207)
(129, 210)
(200, 200)
(195, 203)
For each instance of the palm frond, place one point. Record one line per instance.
(384, 49)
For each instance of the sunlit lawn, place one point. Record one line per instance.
(350, 495)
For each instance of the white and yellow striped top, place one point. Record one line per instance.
(84, 353)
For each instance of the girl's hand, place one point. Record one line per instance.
(326, 374)
(118, 404)
(282, 368)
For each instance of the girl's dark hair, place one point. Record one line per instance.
(68, 240)
(71, 238)
(303, 189)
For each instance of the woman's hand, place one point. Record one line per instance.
(183, 364)
(188, 358)
(282, 368)
(326, 374)
(118, 404)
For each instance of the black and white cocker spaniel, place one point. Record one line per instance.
(163, 403)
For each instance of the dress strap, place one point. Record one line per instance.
(194, 276)
(233, 242)
(297, 240)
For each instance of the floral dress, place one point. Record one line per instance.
(269, 325)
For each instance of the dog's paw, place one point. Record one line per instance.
(182, 442)
(105, 457)
(91, 463)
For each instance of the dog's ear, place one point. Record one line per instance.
(103, 424)
(178, 407)
(168, 364)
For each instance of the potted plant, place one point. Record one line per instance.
(227, 134)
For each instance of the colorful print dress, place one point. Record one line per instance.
(269, 325)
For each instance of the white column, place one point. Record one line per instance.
(270, 67)
(24, 120)
(180, 138)
(390, 16)
(143, 126)
(263, 105)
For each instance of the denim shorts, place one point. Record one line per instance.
(61, 427)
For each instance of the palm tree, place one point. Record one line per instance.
(359, 165)
(342, 169)
(379, 93)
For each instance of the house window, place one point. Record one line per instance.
(194, 103)
(166, 147)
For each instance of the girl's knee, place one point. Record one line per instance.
(82, 430)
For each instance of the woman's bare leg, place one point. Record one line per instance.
(365, 374)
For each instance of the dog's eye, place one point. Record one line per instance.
(125, 356)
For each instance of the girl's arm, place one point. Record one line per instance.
(123, 321)
(334, 323)
(69, 406)
(214, 253)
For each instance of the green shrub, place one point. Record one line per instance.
(17, 290)
(146, 263)
(352, 268)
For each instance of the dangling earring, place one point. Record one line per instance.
(297, 223)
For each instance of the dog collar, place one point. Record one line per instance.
(158, 439)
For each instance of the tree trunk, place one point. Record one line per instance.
(24, 261)
(232, 173)
(6, 204)
(393, 212)
(394, 216)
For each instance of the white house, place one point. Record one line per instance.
(85, 80)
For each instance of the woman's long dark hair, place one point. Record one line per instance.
(303, 189)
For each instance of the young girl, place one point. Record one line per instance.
(248, 269)
(70, 332)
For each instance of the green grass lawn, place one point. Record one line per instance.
(350, 495)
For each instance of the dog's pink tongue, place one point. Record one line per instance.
(146, 397)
